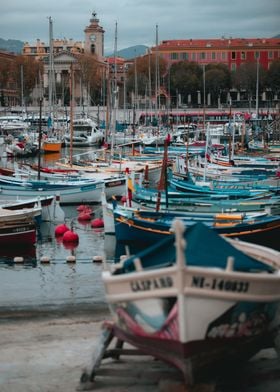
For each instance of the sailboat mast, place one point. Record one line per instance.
(71, 112)
(156, 79)
(114, 97)
(51, 68)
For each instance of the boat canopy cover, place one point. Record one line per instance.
(205, 248)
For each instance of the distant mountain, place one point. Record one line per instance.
(131, 52)
(11, 45)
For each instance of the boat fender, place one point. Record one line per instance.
(229, 216)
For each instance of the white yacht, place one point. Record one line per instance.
(85, 133)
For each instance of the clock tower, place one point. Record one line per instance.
(94, 38)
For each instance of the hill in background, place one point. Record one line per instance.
(131, 52)
(11, 45)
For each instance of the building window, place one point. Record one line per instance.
(193, 56)
(184, 56)
(243, 55)
(257, 55)
(174, 56)
(233, 67)
(202, 56)
(33, 50)
(270, 54)
(213, 56)
(224, 56)
(233, 55)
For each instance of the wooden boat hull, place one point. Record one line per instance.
(75, 194)
(51, 147)
(18, 235)
(199, 358)
(196, 314)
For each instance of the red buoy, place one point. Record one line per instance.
(98, 222)
(61, 229)
(82, 207)
(70, 236)
(84, 216)
(123, 199)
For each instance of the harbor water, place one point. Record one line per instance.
(32, 284)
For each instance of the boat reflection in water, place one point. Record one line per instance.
(10, 253)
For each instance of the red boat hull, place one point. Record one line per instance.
(18, 235)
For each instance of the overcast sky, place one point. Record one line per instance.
(26, 20)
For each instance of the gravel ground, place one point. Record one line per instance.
(46, 352)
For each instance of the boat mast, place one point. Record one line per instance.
(21, 86)
(114, 96)
(51, 70)
(150, 90)
(257, 88)
(40, 139)
(156, 80)
(206, 152)
(71, 85)
(204, 98)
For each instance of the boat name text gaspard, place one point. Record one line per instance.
(152, 284)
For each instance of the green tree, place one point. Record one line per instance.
(217, 79)
(90, 71)
(245, 78)
(185, 78)
(145, 68)
(273, 77)
(30, 69)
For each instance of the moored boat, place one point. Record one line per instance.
(85, 133)
(50, 207)
(141, 228)
(194, 300)
(70, 192)
(18, 227)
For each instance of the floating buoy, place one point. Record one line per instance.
(71, 259)
(84, 216)
(123, 199)
(61, 229)
(82, 207)
(70, 236)
(18, 259)
(98, 222)
(45, 259)
(97, 259)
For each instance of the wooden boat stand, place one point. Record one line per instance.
(102, 351)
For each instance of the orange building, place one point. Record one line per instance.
(232, 52)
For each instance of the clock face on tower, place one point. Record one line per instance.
(92, 37)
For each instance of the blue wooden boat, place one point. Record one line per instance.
(141, 228)
(188, 201)
(232, 190)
